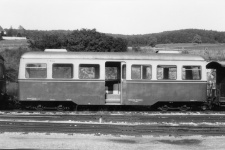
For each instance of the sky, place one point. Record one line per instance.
(114, 16)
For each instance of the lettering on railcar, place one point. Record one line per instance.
(135, 100)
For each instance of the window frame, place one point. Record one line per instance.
(36, 67)
(147, 65)
(168, 67)
(72, 71)
(99, 71)
(191, 69)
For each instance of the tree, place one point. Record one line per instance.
(197, 39)
(136, 48)
(152, 41)
(84, 40)
(10, 32)
(19, 35)
(21, 31)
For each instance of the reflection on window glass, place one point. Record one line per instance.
(37, 70)
(136, 72)
(89, 71)
(141, 72)
(168, 72)
(191, 73)
(62, 71)
(146, 72)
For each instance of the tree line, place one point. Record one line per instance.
(85, 40)
(91, 40)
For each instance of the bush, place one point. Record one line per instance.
(79, 40)
(12, 60)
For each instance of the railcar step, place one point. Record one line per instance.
(112, 96)
(222, 99)
(112, 100)
(112, 104)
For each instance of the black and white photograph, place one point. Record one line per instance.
(112, 74)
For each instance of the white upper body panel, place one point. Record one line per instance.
(77, 58)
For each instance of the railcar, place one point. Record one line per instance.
(61, 79)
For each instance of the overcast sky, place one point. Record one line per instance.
(114, 16)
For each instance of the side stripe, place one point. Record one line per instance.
(61, 80)
(127, 81)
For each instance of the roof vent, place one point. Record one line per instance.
(55, 50)
(169, 52)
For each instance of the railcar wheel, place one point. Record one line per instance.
(39, 108)
(61, 108)
(164, 108)
(184, 108)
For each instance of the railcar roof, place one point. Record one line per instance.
(110, 56)
(215, 64)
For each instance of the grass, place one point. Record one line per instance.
(192, 46)
(209, 51)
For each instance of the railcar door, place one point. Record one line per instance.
(218, 90)
(114, 79)
(221, 84)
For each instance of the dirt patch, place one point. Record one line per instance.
(181, 142)
(125, 141)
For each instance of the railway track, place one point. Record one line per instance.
(114, 129)
(129, 117)
(116, 124)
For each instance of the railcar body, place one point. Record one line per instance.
(85, 78)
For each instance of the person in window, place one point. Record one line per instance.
(212, 84)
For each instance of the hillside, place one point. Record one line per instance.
(166, 37)
(176, 36)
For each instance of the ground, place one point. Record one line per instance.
(104, 142)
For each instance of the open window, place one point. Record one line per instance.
(191, 73)
(36, 70)
(62, 71)
(166, 72)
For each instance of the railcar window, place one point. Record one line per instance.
(1, 71)
(141, 72)
(111, 73)
(37, 70)
(191, 73)
(62, 71)
(124, 72)
(166, 72)
(89, 71)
